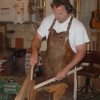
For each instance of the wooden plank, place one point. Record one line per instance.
(53, 79)
(22, 94)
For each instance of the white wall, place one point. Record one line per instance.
(48, 7)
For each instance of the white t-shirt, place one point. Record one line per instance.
(77, 32)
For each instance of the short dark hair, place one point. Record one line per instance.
(66, 3)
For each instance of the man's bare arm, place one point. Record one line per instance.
(81, 51)
(36, 44)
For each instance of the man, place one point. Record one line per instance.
(66, 41)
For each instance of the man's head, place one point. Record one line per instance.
(61, 9)
(66, 3)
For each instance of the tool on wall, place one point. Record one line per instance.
(31, 7)
(95, 21)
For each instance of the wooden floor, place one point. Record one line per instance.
(83, 97)
(48, 96)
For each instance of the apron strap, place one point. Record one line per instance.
(69, 24)
(52, 25)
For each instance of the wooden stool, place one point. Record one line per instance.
(89, 72)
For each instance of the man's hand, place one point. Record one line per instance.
(61, 75)
(34, 59)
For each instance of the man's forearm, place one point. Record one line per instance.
(75, 60)
(36, 43)
(77, 57)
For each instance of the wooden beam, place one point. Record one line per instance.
(53, 79)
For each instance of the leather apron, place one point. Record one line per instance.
(58, 55)
(59, 52)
